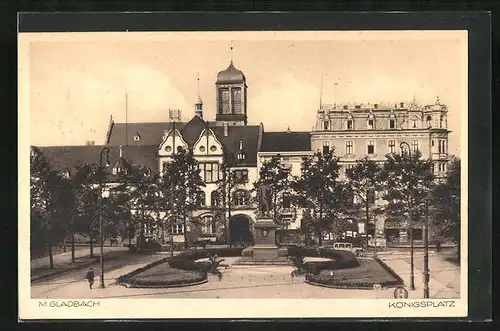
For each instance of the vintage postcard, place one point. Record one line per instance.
(243, 174)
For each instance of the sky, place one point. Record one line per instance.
(76, 84)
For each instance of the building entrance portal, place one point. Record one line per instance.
(239, 230)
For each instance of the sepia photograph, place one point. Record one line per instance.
(296, 174)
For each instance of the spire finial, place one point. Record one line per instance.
(321, 92)
(198, 81)
(231, 48)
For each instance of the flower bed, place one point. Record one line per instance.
(339, 259)
(162, 275)
(365, 276)
(186, 260)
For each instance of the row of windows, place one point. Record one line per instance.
(210, 173)
(370, 123)
(370, 146)
(207, 226)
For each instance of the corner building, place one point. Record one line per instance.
(357, 130)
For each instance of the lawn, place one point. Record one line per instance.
(368, 273)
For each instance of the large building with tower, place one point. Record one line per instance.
(353, 130)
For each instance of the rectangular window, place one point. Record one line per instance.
(442, 147)
(236, 100)
(287, 201)
(392, 146)
(176, 229)
(392, 123)
(209, 172)
(371, 147)
(370, 124)
(326, 147)
(348, 147)
(241, 176)
(287, 164)
(349, 124)
(414, 145)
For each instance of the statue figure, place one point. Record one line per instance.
(264, 200)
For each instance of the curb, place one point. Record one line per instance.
(55, 273)
(121, 279)
(339, 287)
(389, 269)
(127, 285)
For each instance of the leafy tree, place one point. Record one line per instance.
(364, 182)
(51, 200)
(221, 209)
(185, 183)
(445, 204)
(141, 188)
(408, 180)
(278, 179)
(87, 186)
(320, 190)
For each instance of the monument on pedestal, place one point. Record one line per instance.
(265, 249)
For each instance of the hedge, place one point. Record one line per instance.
(186, 260)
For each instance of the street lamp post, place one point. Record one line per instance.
(426, 251)
(104, 150)
(412, 276)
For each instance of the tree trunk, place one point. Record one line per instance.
(320, 232)
(91, 244)
(73, 247)
(51, 257)
(366, 222)
(184, 223)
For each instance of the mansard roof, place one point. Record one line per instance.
(286, 142)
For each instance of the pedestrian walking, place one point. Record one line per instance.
(90, 277)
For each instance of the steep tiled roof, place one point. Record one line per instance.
(64, 158)
(152, 133)
(286, 142)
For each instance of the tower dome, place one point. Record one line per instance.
(231, 75)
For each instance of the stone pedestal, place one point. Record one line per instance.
(265, 251)
(265, 240)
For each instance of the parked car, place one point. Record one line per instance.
(345, 246)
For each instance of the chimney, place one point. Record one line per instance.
(226, 129)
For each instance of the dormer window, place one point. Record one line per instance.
(326, 125)
(137, 137)
(350, 124)
(345, 107)
(392, 122)
(429, 121)
(241, 153)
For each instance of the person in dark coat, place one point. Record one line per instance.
(90, 277)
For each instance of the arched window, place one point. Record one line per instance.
(429, 121)
(326, 124)
(176, 225)
(214, 198)
(240, 198)
(208, 224)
